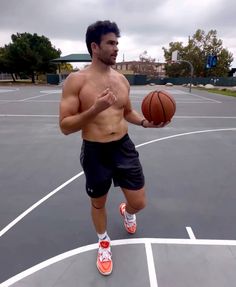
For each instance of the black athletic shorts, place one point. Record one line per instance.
(116, 161)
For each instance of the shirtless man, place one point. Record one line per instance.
(96, 102)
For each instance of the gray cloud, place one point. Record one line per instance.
(150, 22)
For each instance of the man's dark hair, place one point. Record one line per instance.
(97, 30)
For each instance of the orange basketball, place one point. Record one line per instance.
(158, 107)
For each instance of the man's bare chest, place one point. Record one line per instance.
(94, 89)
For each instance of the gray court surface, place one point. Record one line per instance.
(186, 235)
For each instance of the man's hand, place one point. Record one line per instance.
(147, 124)
(106, 99)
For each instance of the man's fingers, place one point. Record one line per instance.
(160, 125)
(104, 93)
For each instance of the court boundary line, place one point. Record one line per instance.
(175, 117)
(198, 96)
(28, 116)
(151, 265)
(39, 202)
(119, 242)
(34, 97)
(190, 233)
(27, 211)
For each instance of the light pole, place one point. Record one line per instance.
(176, 58)
(191, 73)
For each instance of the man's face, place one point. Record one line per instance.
(107, 50)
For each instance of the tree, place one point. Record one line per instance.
(4, 63)
(66, 67)
(28, 54)
(199, 47)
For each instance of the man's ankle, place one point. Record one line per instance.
(103, 236)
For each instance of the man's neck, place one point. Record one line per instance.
(100, 67)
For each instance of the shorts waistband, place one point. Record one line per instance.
(121, 140)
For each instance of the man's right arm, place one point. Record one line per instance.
(70, 120)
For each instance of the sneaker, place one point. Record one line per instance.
(104, 261)
(130, 225)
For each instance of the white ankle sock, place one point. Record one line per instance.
(103, 236)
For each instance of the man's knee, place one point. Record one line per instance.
(135, 199)
(99, 203)
(140, 204)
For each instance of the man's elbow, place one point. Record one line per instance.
(67, 131)
(63, 129)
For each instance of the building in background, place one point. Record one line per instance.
(150, 69)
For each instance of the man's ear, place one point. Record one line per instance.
(94, 47)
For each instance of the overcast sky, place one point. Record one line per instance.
(145, 24)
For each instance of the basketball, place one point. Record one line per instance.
(158, 107)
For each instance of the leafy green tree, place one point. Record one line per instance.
(199, 47)
(28, 54)
(66, 67)
(4, 63)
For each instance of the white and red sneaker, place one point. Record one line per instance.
(130, 225)
(104, 261)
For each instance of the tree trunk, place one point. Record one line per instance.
(13, 77)
(33, 78)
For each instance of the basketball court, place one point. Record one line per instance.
(186, 235)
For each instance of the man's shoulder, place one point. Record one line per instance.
(121, 77)
(77, 75)
(76, 78)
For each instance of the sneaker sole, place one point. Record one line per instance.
(105, 273)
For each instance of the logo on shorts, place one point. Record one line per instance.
(90, 190)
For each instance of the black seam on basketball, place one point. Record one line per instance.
(150, 105)
(164, 113)
(174, 104)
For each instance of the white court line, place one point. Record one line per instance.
(151, 265)
(120, 242)
(211, 100)
(51, 91)
(201, 97)
(35, 97)
(30, 101)
(185, 134)
(184, 102)
(63, 256)
(28, 116)
(22, 215)
(190, 233)
(203, 117)
(175, 117)
(8, 90)
(43, 101)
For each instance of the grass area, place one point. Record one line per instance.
(224, 92)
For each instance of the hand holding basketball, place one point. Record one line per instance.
(158, 107)
(147, 124)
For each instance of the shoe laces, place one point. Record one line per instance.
(130, 222)
(104, 253)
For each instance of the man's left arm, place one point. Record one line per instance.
(133, 117)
